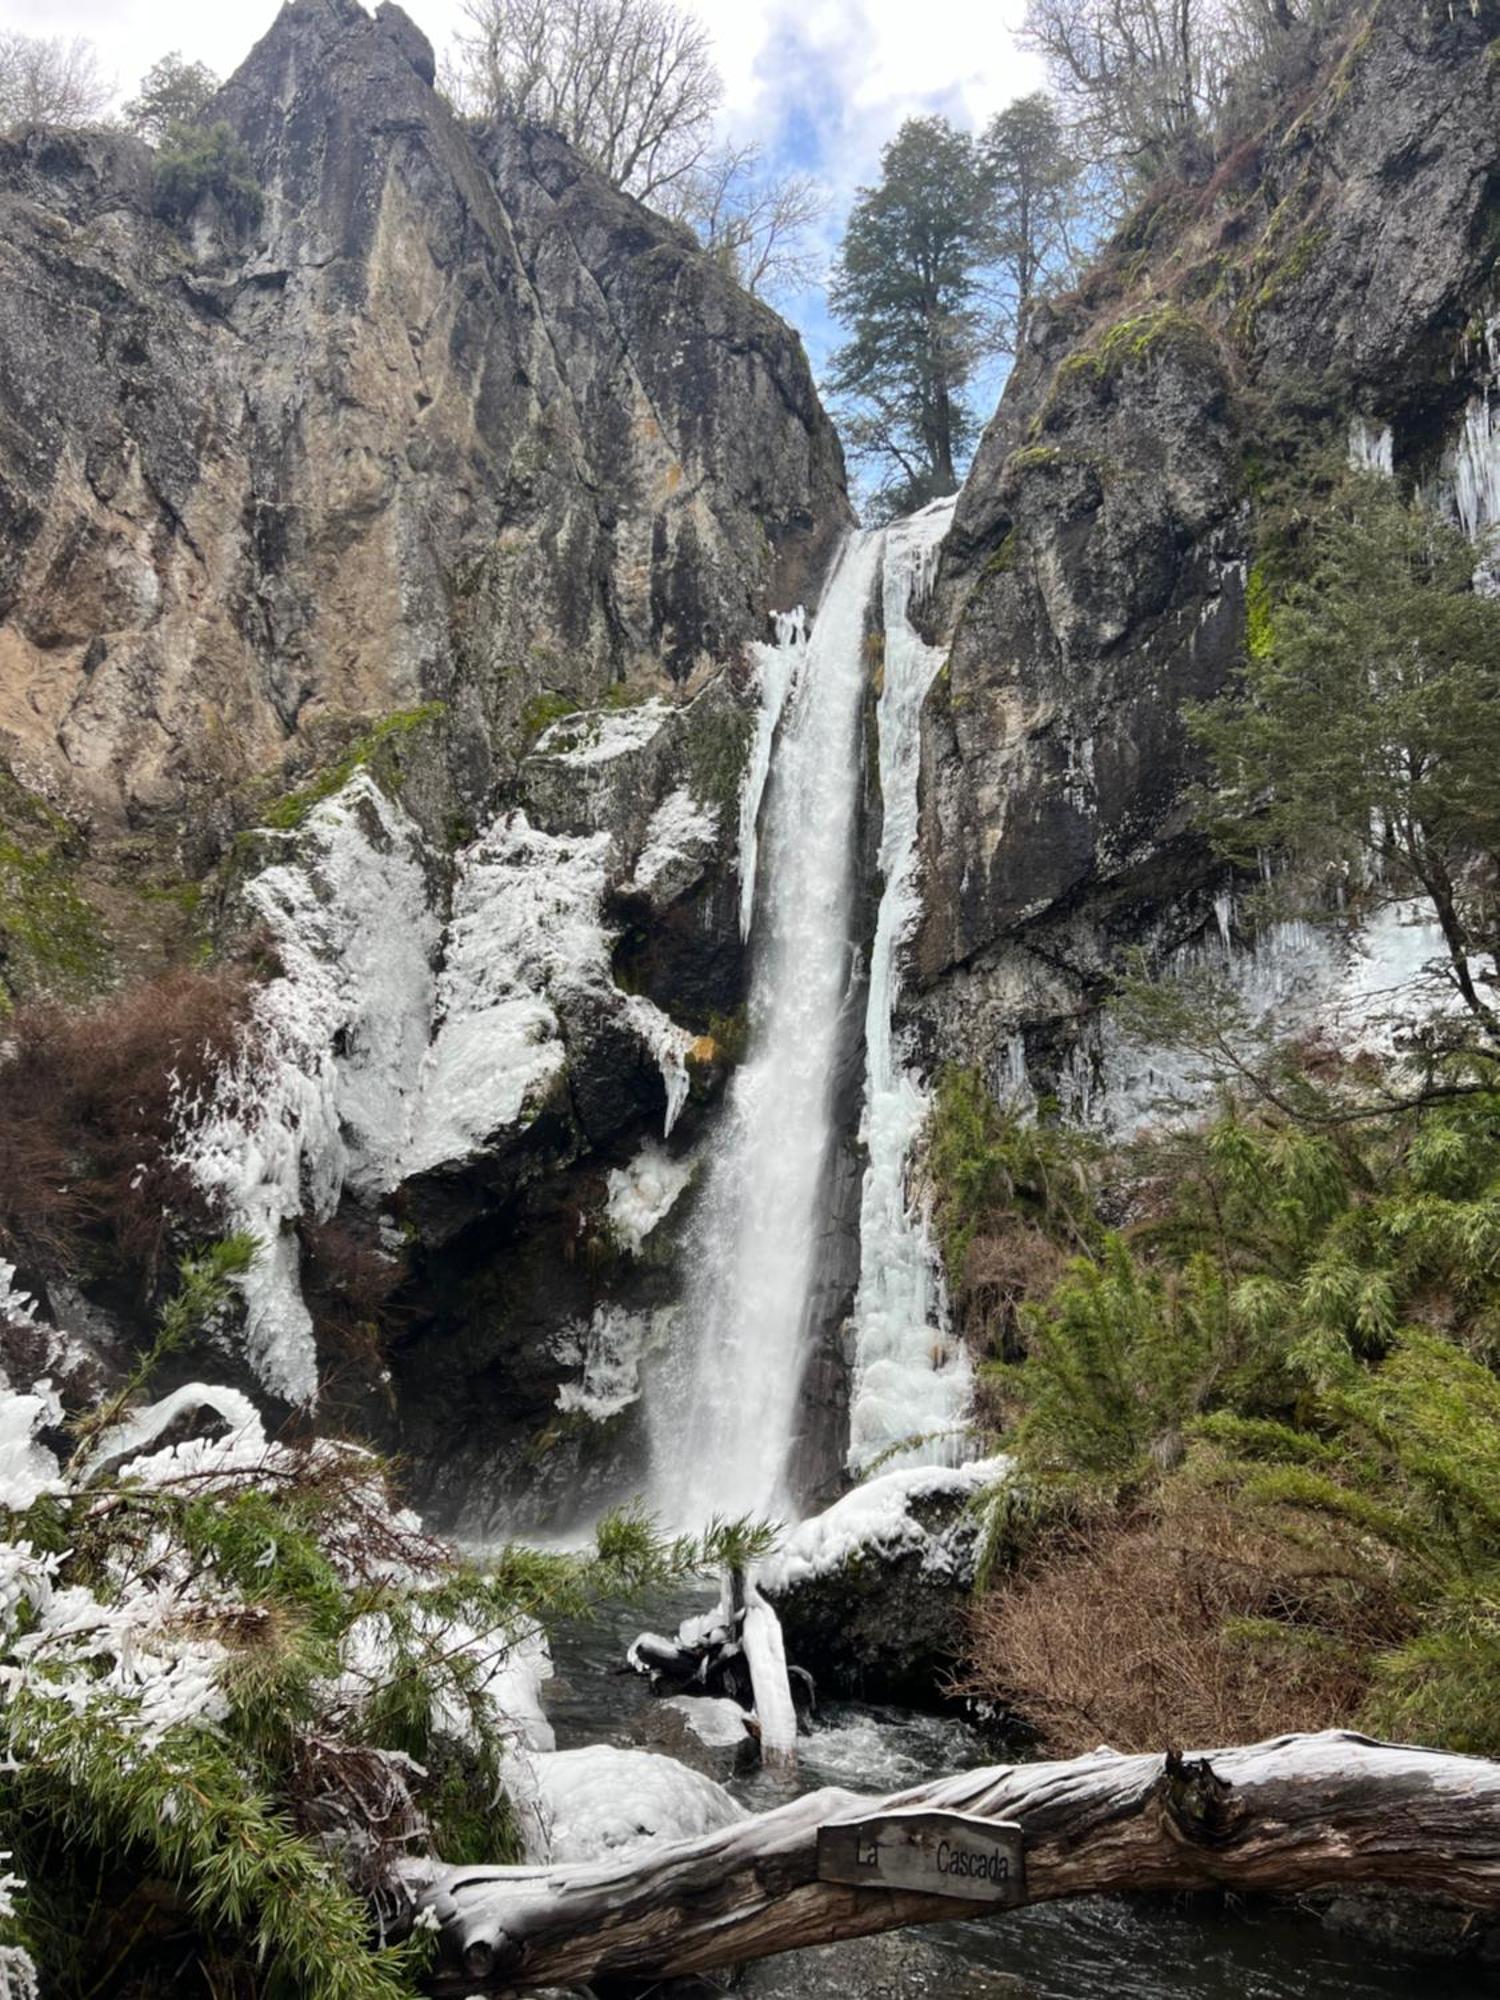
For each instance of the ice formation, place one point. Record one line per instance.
(363, 1066)
(607, 1353)
(911, 1378)
(680, 838)
(643, 1194)
(778, 669)
(292, 1120)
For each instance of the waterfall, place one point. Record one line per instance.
(723, 1404)
(911, 1379)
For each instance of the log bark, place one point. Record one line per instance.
(1296, 1813)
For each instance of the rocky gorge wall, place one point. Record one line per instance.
(1334, 279)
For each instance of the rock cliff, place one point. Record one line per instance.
(1333, 281)
(453, 423)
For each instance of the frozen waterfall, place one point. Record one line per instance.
(724, 1403)
(911, 1379)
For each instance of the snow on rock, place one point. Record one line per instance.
(525, 928)
(643, 1194)
(602, 1802)
(877, 1519)
(681, 839)
(600, 735)
(316, 1098)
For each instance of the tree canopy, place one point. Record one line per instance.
(172, 92)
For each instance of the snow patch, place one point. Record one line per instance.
(601, 1802)
(876, 1519)
(599, 735)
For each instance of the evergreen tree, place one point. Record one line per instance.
(1366, 743)
(907, 286)
(173, 92)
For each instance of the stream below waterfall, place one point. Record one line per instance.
(1102, 1948)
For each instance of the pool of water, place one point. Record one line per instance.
(1102, 1948)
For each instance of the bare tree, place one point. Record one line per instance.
(756, 223)
(1144, 83)
(631, 83)
(49, 81)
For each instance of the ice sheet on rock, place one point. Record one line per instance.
(681, 837)
(1359, 988)
(607, 1353)
(877, 1519)
(317, 1097)
(525, 925)
(600, 1801)
(643, 1194)
(777, 670)
(669, 1045)
(911, 1378)
(599, 735)
(246, 1439)
(1371, 446)
(715, 1720)
(526, 934)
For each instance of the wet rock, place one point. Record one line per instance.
(707, 1733)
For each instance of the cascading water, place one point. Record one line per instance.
(723, 1406)
(911, 1379)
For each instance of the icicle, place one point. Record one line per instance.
(778, 668)
(765, 1655)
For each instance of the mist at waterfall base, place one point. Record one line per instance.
(723, 1405)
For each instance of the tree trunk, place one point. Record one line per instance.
(1297, 1813)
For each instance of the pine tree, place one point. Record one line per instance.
(1366, 743)
(906, 285)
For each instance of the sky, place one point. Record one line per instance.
(821, 85)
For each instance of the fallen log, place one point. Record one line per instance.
(1293, 1814)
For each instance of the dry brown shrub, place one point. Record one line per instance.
(1125, 1634)
(88, 1103)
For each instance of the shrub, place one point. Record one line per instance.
(88, 1104)
(199, 160)
(1154, 1631)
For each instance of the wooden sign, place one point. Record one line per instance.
(939, 1853)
